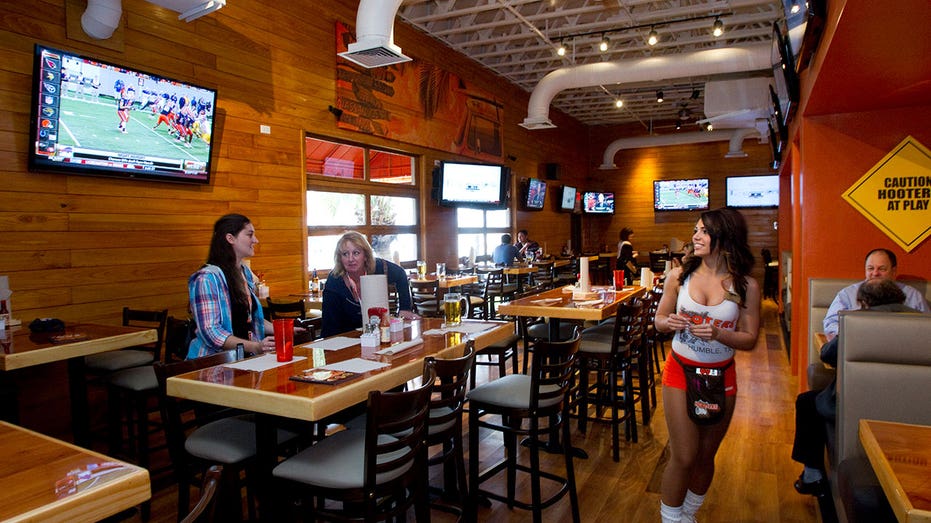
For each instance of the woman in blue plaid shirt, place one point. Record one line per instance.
(222, 293)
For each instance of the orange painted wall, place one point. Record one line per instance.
(860, 96)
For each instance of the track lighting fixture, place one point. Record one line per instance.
(561, 50)
(795, 7)
(718, 28)
(709, 127)
(659, 97)
(619, 103)
(653, 38)
(603, 46)
(678, 126)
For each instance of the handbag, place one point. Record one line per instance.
(704, 392)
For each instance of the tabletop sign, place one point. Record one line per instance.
(895, 194)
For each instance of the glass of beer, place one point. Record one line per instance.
(452, 307)
(421, 269)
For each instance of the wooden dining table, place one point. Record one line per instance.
(558, 304)
(900, 454)
(271, 393)
(22, 348)
(48, 480)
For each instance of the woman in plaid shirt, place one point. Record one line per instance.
(222, 294)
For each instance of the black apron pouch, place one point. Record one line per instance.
(704, 392)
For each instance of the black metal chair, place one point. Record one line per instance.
(497, 291)
(107, 362)
(522, 402)
(377, 473)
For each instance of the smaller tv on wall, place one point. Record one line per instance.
(476, 185)
(753, 191)
(680, 195)
(94, 118)
(598, 203)
(536, 194)
(567, 200)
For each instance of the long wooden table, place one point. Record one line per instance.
(23, 348)
(271, 393)
(44, 479)
(558, 304)
(901, 457)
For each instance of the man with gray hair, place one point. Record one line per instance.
(813, 407)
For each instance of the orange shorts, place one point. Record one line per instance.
(674, 376)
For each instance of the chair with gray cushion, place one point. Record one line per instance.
(377, 473)
(515, 405)
(606, 354)
(200, 435)
(107, 362)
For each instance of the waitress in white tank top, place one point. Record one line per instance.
(713, 306)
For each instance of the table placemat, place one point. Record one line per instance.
(262, 363)
(334, 343)
(356, 365)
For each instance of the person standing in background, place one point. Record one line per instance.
(626, 255)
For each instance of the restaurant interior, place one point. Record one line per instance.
(308, 144)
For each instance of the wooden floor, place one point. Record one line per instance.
(753, 482)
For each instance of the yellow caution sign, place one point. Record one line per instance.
(895, 194)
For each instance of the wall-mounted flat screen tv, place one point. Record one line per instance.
(473, 185)
(680, 195)
(536, 194)
(753, 191)
(567, 199)
(598, 203)
(91, 117)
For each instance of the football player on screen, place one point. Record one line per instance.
(124, 105)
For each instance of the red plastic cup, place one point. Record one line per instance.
(619, 279)
(284, 339)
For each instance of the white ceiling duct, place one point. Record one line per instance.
(735, 137)
(374, 45)
(700, 63)
(101, 18)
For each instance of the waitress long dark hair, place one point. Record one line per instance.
(728, 231)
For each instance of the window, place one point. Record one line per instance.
(480, 230)
(354, 187)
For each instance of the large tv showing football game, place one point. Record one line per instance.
(753, 191)
(680, 195)
(95, 118)
(473, 185)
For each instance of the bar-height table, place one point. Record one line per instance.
(558, 304)
(44, 479)
(271, 393)
(23, 348)
(901, 457)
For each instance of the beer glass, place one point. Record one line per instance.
(441, 271)
(452, 307)
(421, 269)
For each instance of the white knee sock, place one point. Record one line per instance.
(690, 506)
(670, 514)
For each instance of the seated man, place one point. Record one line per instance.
(880, 264)
(505, 253)
(813, 407)
(525, 245)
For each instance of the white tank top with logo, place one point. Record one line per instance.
(723, 315)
